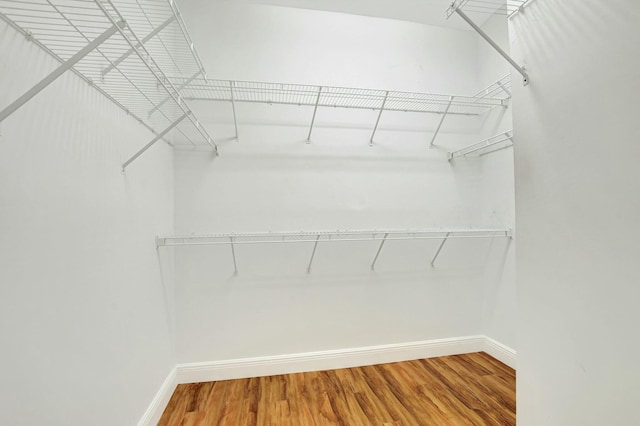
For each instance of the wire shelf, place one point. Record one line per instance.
(337, 97)
(491, 7)
(494, 143)
(324, 237)
(132, 65)
(501, 89)
(329, 236)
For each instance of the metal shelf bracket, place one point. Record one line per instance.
(313, 253)
(433, 261)
(375, 259)
(384, 101)
(233, 107)
(233, 254)
(315, 109)
(444, 115)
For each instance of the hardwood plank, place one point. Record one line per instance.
(469, 390)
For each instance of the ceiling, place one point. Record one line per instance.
(430, 12)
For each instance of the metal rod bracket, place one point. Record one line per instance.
(384, 101)
(313, 253)
(315, 109)
(444, 115)
(375, 259)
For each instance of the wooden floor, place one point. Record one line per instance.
(472, 389)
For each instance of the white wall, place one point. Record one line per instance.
(279, 44)
(271, 180)
(577, 186)
(84, 323)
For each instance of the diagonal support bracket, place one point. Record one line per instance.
(433, 261)
(375, 259)
(313, 253)
(233, 107)
(384, 102)
(504, 89)
(128, 53)
(315, 109)
(233, 254)
(505, 55)
(444, 115)
(154, 140)
(42, 84)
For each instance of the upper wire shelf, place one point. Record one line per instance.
(131, 67)
(491, 7)
(340, 97)
(501, 89)
(328, 236)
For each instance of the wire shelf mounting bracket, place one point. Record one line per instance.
(65, 66)
(444, 115)
(233, 255)
(315, 110)
(446, 237)
(313, 253)
(375, 259)
(233, 106)
(457, 6)
(384, 102)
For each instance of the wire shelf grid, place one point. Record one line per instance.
(501, 89)
(131, 66)
(494, 143)
(491, 7)
(329, 236)
(336, 97)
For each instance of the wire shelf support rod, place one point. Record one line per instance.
(456, 7)
(42, 84)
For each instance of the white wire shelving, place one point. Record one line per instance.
(501, 89)
(491, 7)
(507, 8)
(131, 51)
(321, 237)
(487, 146)
(336, 97)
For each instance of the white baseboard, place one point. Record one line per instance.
(326, 360)
(316, 361)
(152, 416)
(500, 352)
